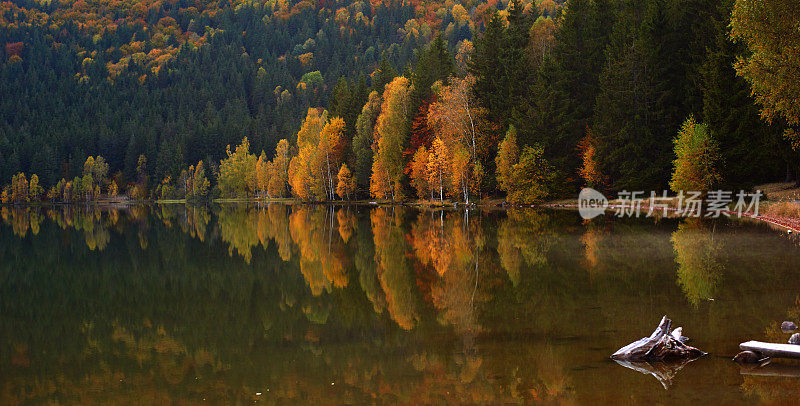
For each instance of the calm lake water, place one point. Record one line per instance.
(382, 305)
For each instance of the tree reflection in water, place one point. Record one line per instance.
(358, 304)
(698, 256)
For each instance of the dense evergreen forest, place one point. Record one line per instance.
(393, 100)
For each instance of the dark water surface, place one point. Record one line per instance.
(298, 304)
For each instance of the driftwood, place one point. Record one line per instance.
(660, 346)
(772, 350)
(664, 372)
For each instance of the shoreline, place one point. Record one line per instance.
(790, 224)
(787, 223)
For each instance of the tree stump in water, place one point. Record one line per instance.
(660, 346)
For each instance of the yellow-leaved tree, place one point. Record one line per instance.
(263, 174)
(346, 184)
(280, 166)
(507, 156)
(237, 177)
(320, 142)
(696, 157)
(200, 183)
(525, 177)
(35, 190)
(769, 29)
(391, 132)
(438, 163)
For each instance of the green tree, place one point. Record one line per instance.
(200, 183)
(566, 87)
(364, 138)
(278, 182)
(501, 65)
(35, 190)
(237, 176)
(487, 65)
(434, 64)
(769, 30)
(641, 100)
(747, 144)
(532, 177)
(507, 157)
(140, 189)
(98, 168)
(697, 155)
(392, 132)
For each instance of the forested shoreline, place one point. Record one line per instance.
(523, 100)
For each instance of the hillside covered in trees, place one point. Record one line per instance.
(392, 100)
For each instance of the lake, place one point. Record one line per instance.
(365, 304)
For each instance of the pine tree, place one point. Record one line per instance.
(639, 104)
(567, 84)
(435, 64)
(732, 116)
(364, 139)
(487, 66)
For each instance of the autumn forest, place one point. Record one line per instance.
(392, 100)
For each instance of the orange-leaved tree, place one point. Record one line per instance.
(346, 185)
(590, 170)
(419, 173)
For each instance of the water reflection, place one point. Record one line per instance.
(371, 305)
(664, 372)
(698, 255)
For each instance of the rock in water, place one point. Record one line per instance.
(747, 357)
(660, 346)
(794, 339)
(788, 326)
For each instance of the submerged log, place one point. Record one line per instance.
(660, 346)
